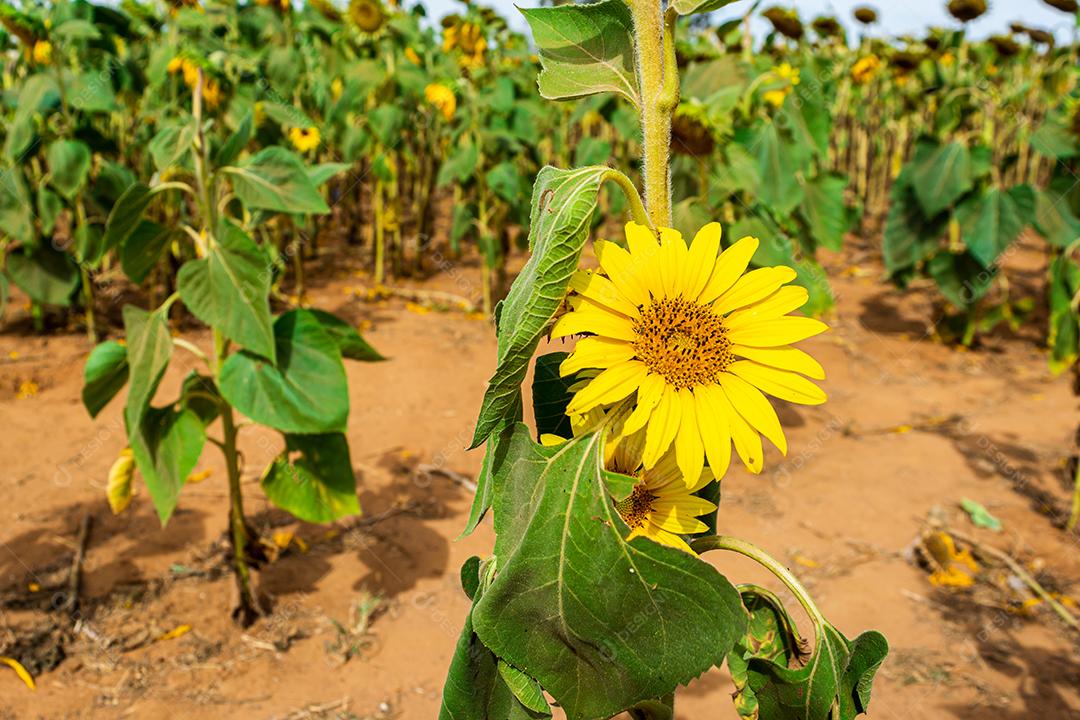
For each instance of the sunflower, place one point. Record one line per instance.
(789, 76)
(42, 52)
(304, 139)
(662, 506)
(691, 340)
(865, 68)
(412, 57)
(1069, 6)
(866, 15)
(442, 98)
(966, 10)
(785, 21)
(367, 15)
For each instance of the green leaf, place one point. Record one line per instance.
(1054, 219)
(562, 205)
(69, 166)
(49, 207)
(778, 163)
(166, 442)
(506, 182)
(89, 245)
(1064, 330)
(941, 175)
(313, 478)
(460, 166)
(16, 208)
(1055, 140)
(76, 29)
(663, 618)
(47, 275)
(592, 151)
(105, 373)
(127, 213)
(171, 145)
(910, 237)
(141, 249)
(991, 222)
(979, 515)
(305, 392)
(693, 7)
(90, 91)
(525, 689)
(551, 394)
(350, 342)
(200, 395)
(771, 635)
(585, 49)
(824, 210)
(276, 179)
(324, 172)
(231, 149)
(961, 278)
(229, 290)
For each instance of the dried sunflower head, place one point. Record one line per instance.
(1005, 46)
(1069, 6)
(786, 22)
(691, 133)
(967, 10)
(905, 60)
(828, 27)
(1040, 37)
(866, 15)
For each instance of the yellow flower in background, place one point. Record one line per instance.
(865, 69)
(367, 15)
(175, 65)
(784, 72)
(775, 98)
(947, 59)
(662, 505)
(119, 490)
(411, 56)
(42, 52)
(442, 98)
(304, 139)
(469, 39)
(211, 93)
(258, 113)
(336, 88)
(693, 341)
(190, 71)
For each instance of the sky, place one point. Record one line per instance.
(897, 17)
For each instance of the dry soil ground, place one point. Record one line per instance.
(365, 614)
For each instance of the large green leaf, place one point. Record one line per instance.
(350, 342)
(47, 275)
(563, 202)
(692, 7)
(168, 441)
(90, 91)
(305, 392)
(909, 237)
(771, 635)
(824, 210)
(171, 145)
(141, 249)
(1054, 219)
(38, 92)
(276, 179)
(1064, 330)
(663, 616)
(69, 166)
(991, 222)
(105, 373)
(941, 175)
(778, 164)
(460, 166)
(585, 49)
(127, 213)
(961, 278)
(229, 290)
(476, 686)
(16, 208)
(551, 394)
(313, 478)
(1055, 139)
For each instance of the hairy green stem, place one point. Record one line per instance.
(746, 549)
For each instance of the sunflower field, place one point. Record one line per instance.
(615, 359)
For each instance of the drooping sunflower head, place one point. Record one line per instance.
(1039, 36)
(785, 21)
(828, 27)
(326, 9)
(967, 10)
(866, 15)
(1005, 46)
(442, 98)
(367, 15)
(304, 139)
(1069, 6)
(691, 341)
(691, 131)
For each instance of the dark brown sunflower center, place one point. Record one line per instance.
(682, 341)
(635, 509)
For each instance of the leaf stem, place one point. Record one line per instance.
(637, 209)
(746, 549)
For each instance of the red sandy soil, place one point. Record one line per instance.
(912, 426)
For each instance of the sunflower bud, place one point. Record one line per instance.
(119, 488)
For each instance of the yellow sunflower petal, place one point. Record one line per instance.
(729, 266)
(753, 286)
(663, 426)
(618, 265)
(714, 427)
(689, 451)
(649, 394)
(673, 252)
(596, 352)
(781, 302)
(778, 383)
(677, 522)
(601, 290)
(608, 387)
(645, 251)
(784, 358)
(701, 259)
(747, 442)
(755, 408)
(781, 331)
(592, 318)
(659, 535)
(684, 505)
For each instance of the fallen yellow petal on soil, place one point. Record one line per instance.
(20, 671)
(176, 632)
